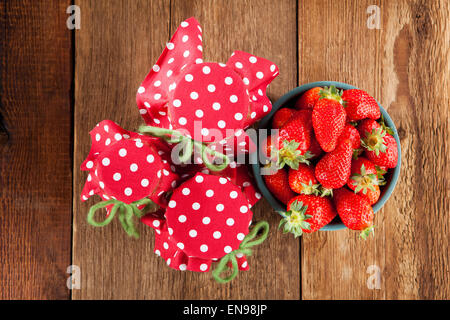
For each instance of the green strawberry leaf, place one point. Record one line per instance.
(366, 232)
(374, 141)
(385, 127)
(332, 93)
(380, 175)
(310, 188)
(294, 222)
(290, 156)
(363, 181)
(326, 192)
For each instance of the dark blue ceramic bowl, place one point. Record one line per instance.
(289, 99)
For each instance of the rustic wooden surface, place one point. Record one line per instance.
(105, 88)
(35, 150)
(405, 65)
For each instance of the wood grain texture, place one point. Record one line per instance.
(274, 266)
(35, 150)
(115, 48)
(405, 65)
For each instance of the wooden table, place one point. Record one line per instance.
(56, 84)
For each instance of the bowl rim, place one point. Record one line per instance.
(265, 122)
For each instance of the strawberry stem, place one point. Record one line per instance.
(310, 188)
(366, 232)
(290, 155)
(363, 181)
(331, 93)
(374, 141)
(326, 192)
(295, 220)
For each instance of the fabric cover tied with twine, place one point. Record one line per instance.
(182, 92)
(125, 168)
(238, 174)
(207, 218)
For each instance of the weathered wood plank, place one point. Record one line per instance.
(405, 65)
(114, 50)
(256, 27)
(117, 44)
(35, 150)
(416, 82)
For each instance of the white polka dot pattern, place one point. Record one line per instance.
(196, 87)
(152, 95)
(123, 165)
(194, 96)
(220, 222)
(171, 250)
(198, 91)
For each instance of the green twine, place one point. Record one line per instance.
(126, 213)
(189, 145)
(244, 248)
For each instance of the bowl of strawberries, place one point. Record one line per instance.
(331, 160)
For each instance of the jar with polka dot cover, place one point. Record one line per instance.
(183, 93)
(207, 219)
(201, 212)
(237, 173)
(129, 171)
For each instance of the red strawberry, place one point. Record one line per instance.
(298, 128)
(381, 147)
(354, 210)
(269, 147)
(387, 157)
(360, 105)
(333, 170)
(371, 195)
(303, 180)
(278, 184)
(372, 136)
(281, 117)
(328, 118)
(367, 126)
(381, 171)
(284, 152)
(294, 140)
(307, 213)
(352, 134)
(315, 149)
(363, 176)
(308, 99)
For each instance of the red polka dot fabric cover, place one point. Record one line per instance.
(239, 142)
(127, 166)
(207, 217)
(238, 174)
(208, 101)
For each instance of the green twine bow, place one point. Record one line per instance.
(189, 145)
(126, 213)
(244, 248)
